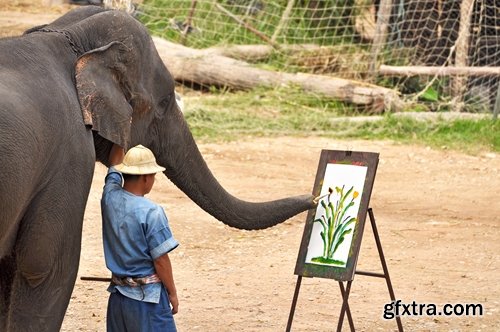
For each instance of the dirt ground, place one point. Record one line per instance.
(437, 212)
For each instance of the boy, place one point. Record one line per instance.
(137, 240)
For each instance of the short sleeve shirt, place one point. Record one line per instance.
(135, 233)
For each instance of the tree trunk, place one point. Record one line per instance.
(255, 53)
(439, 71)
(462, 52)
(209, 69)
(383, 17)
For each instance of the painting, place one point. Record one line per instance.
(336, 215)
(333, 231)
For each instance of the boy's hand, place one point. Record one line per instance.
(163, 268)
(174, 301)
(116, 155)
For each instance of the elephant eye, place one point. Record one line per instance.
(164, 102)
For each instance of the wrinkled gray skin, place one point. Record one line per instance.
(67, 91)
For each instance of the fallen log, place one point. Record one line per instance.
(209, 69)
(254, 53)
(438, 71)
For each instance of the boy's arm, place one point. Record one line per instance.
(163, 269)
(116, 155)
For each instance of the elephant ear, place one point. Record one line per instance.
(102, 96)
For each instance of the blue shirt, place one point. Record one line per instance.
(135, 232)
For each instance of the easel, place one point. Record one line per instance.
(345, 291)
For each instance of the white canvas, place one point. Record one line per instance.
(337, 176)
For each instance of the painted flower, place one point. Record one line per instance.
(355, 194)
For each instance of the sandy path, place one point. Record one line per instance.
(437, 215)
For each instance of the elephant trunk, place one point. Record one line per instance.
(187, 169)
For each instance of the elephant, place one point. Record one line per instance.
(69, 90)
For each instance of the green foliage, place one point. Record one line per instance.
(430, 94)
(470, 136)
(288, 111)
(214, 27)
(263, 112)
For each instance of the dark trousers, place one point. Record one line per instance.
(129, 315)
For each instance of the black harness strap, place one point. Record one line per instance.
(66, 35)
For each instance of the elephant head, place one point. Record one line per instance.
(127, 97)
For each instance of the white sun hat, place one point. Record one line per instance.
(139, 160)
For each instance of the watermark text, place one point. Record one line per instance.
(398, 309)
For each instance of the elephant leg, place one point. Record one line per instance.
(47, 254)
(7, 268)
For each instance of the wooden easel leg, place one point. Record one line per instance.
(345, 297)
(294, 304)
(384, 264)
(347, 309)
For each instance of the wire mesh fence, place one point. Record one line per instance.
(442, 54)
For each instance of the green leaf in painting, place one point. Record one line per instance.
(341, 239)
(335, 227)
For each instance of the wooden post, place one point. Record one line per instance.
(461, 52)
(380, 38)
(497, 103)
(187, 24)
(284, 20)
